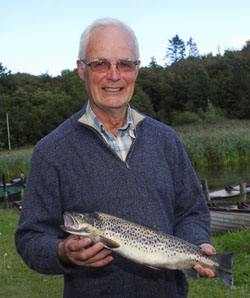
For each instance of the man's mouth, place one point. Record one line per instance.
(112, 89)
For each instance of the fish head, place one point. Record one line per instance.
(80, 224)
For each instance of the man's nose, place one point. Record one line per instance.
(113, 73)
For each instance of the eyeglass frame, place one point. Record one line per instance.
(136, 62)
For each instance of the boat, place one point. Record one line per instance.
(14, 191)
(227, 192)
(229, 215)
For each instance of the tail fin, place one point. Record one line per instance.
(224, 270)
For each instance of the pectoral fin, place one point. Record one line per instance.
(192, 273)
(109, 243)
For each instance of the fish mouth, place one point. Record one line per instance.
(70, 223)
(68, 219)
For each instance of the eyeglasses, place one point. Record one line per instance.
(104, 66)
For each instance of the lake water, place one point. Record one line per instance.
(222, 176)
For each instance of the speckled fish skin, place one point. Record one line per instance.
(146, 246)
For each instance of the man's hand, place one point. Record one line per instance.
(208, 250)
(72, 250)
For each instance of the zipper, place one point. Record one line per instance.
(132, 145)
(108, 146)
(105, 143)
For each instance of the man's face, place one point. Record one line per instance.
(112, 89)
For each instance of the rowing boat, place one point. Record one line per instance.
(229, 215)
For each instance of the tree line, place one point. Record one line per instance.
(192, 88)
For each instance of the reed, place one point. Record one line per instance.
(216, 144)
(15, 162)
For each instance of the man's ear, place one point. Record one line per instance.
(80, 69)
(137, 68)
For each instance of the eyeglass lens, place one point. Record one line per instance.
(104, 66)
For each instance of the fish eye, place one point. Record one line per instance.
(80, 216)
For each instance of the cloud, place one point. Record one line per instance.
(240, 41)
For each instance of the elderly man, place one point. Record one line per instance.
(109, 157)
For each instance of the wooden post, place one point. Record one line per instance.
(243, 194)
(205, 189)
(5, 192)
(8, 131)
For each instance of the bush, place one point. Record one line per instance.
(180, 118)
(214, 114)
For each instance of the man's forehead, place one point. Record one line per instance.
(110, 40)
(110, 33)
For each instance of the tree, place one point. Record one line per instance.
(153, 62)
(3, 70)
(192, 48)
(176, 49)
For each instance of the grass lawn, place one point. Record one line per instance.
(17, 280)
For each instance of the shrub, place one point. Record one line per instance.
(180, 118)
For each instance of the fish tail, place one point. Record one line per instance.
(224, 270)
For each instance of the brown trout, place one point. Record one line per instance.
(147, 246)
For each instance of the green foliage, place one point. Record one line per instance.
(210, 88)
(176, 49)
(180, 118)
(37, 104)
(192, 48)
(214, 114)
(141, 101)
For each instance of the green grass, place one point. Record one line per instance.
(17, 280)
(237, 242)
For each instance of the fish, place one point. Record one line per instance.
(147, 246)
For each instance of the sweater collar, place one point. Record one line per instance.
(133, 117)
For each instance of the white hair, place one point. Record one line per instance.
(104, 22)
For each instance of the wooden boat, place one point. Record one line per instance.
(14, 190)
(229, 215)
(227, 192)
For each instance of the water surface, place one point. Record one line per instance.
(222, 176)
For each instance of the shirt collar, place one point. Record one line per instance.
(97, 124)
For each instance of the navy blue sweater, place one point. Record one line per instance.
(73, 169)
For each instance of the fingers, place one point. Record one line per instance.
(77, 251)
(209, 250)
(204, 272)
(93, 256)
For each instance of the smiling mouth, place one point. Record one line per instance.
(112, 89)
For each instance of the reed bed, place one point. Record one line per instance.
(15, 162)
(216, 144)
(207, 144)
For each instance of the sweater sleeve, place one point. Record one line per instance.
(39, 233)
(192, 218)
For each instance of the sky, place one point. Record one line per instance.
(42, 36)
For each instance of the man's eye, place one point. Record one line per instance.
(100, 63)
(124, 64)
